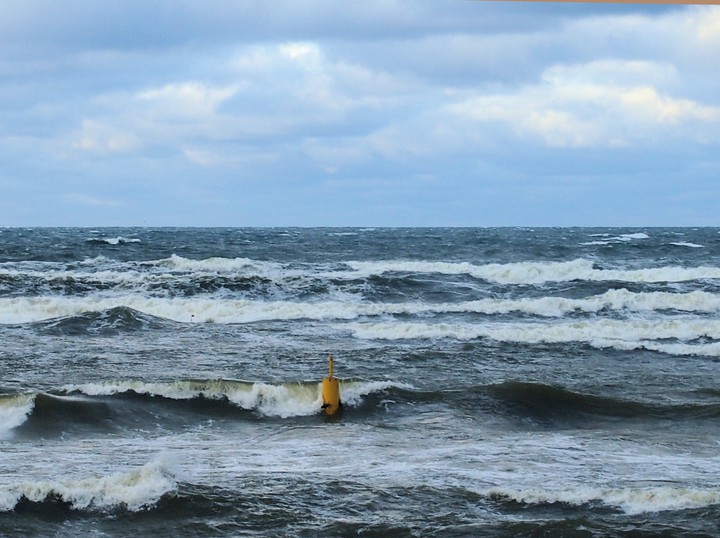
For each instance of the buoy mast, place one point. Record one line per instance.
(331, 391)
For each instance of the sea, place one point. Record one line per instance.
(496, 382)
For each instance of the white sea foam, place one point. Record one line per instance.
(134, 490)
(352, 393)
(605, 333)
(279, 400)
(14, 410)
(216, 310)
(128, 277)
(629, 500)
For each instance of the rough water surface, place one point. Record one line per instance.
(496, 382)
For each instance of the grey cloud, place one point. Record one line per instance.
(133, 24)
(227, 104)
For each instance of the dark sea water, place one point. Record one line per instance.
(496, 382)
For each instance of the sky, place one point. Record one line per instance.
(383, 113)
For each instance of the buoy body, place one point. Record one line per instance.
(331, 392)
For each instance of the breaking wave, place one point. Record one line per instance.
(140, 406)
(133, 490)
(14, 410)
(630, 500)
(675, 336)
(273, 400)
(135, 310)
(114, 407)
(120, 240)
(102, 270)
(541, 272)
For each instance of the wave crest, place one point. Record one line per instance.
(680, 336)
(540, 272)
(134, 311)
(14, 411)
(272, 400)
(631, 501)
(133, 490)
(120, 240)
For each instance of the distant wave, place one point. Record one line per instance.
(132, 311)
(112, 240)
(103, 269)
(541, 272)
(216, 265)
(686, 244)
(608, 239)
(141, 274)
(674, 336)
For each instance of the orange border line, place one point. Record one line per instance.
(665, 2)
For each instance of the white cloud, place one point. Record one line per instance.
(98, 137)
(589, 106)
(299, 79)
(186, 99)
(708, 26)
(645, 102)
(238, 157)
(304, 99)
(202, 157)
(269, 92)
(305, 52)
(612, 72)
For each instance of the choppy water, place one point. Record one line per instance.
(496, 382)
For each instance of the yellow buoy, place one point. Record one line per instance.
(331, 391)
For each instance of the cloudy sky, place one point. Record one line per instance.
(383, 113)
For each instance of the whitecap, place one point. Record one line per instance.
(605, 333)
(120, 240)
(630, 237)
(223, 311)
(134, 490)
(687, 244)
(622, 238)
(277, 400)
(14, 411)
(537, 272)
(632, 501)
